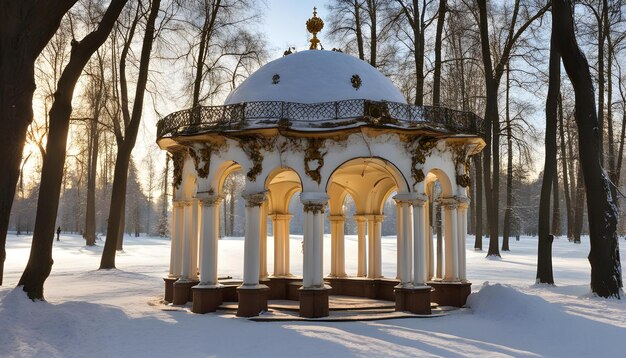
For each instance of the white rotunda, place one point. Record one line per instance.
(323, 124)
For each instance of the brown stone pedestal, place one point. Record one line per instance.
(314, 302)
(182, 291)
(252, 300)
(413, 299)
(169, 288)
(206, 298)
(450, 293)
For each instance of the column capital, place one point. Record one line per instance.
(178, 203)
(449, 203)
(189, 202)
(254, 199)
(210, 199)
(359, 217)
(463, 201)
(314, 201)
(415, 199)
(337, 217)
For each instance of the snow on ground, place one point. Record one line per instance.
(115, 313)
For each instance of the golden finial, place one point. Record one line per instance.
(314, 25)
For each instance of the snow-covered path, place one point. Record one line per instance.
(92, 313)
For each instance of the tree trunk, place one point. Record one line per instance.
(478, 197)
(566, 184)
(125, 149)
(556, 207)
(606, 274)
(40, 260)
(491, 130)
(506, 230)
(580, 202)
(544, 245)
(25, 29)
(372, 11)
(437, 74)
(119, 244)
(90, 213)
(358, 29)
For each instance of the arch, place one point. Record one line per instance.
(381, 164)
(223, 171)
(283, 183)
(436, 174)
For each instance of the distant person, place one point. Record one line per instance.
(58, 233)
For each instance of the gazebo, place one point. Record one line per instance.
(324, 124)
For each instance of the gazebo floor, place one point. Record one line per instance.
(342, 308)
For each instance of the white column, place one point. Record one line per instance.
(178, 217)
(362, 262)
(419, 241)
(451, 242)
(263, 243)
(430, 252)
(399, 242)
(378, 247)
(370, 247)
(209, 233)
(280, 225)
(251, 255)
(337, 261)
(404, 238)
(462, 232)
(185, 273)
(195, 233)
(286, 238)
(314, 203)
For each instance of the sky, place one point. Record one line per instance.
(285, 24)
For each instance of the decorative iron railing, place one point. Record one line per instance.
(320, 116)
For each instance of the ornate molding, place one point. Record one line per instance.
(419, 149)
(337, 217)
(315, 208)
(178, 203)
(312, 154)
(314, 202)
(252, 146)
(463, 202)
(449, 203)
(203, 154)
(178, 158)
(211, 200)
(461, 164)
(255, 199)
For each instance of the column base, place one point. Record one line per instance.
(450, 293)
(169, 288)
(314, 302)
(252, 301)
(182, 291)
(206, 299)
(413, 299)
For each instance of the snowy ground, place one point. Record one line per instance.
(92, 313)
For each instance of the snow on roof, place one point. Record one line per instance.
(315, 76)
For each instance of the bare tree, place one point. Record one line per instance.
(131, 122)
(40, 260)
(606, 274)
(25, 29)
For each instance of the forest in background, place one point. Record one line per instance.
(103, 58)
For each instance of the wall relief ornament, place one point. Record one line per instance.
(314, 158)
(178, 158)
(356, 82)
(419, 149)
(461, 164)
(203, 155)
(252, 146)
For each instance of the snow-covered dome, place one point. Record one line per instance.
(315, 76)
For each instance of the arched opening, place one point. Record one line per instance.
(282, 185)
(231, 221)
(370, 183)
(437, 187)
